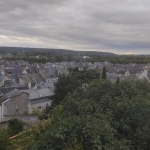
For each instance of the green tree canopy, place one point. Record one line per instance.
(105, 116)
(68, 83)
(104, 73)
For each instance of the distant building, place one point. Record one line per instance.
(21, 102)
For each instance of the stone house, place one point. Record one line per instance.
(21, 102)
(31, 80)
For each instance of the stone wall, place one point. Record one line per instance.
(17, 105)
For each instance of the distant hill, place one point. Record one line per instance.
(56, 51)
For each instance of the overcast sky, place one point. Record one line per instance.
(118, 26)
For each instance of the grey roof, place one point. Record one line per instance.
(132, 71)
(35, 101)
(1, 69)
(148, 74)
(111, 75)
(7, 89)
(1, 77)
(130, 78)
(142, 65)
(14, 76)
(33, 94)
(32, 78)
(9, 83)
(48, 75)
(9, 95)
(39, 93)
(12, 70)
(102, 63)
(80, 65)
(32, 69)
(28, 71)
(46, 85)
(121, 71)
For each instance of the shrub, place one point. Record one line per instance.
(3, 138)
(37, 112)
(14, 127)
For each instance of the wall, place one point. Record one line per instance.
(24, 72)
(4, 79)
(43, 104)
(17, 105)
(52, 80)
(2, 83)
(143, 75)
(127, 73)
(0, 113)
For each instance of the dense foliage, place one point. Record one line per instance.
(14, 127)
(68, 83)
(30, 56)
(104, 73)
(105, 116)
(121, 59)
(43, 59)
(3, 138)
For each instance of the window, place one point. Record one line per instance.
(39, 107)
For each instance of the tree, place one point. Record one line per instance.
(64, 85)
(104, 116)
(68, 83)
(118, 80)
(104, 73)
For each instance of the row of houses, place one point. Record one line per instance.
(27, 86)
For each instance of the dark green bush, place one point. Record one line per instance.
(14, 127)
(4, 138)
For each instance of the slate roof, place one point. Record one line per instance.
(32, 78)
(111, 75)
(148, 74)
(12, 70)
(1, 69)
(39, 93)
(14, 76)
(7, 89)
(9, 95)
(48, 75)
(80, 65)
(1, 77)
(142, 65)
(32, 69)
(9, 83)
(121, 71)
(130, 78)
(35, 101)
(27, 70)
(46, 85)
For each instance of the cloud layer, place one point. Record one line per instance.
(119, 26)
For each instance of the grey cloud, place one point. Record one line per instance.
(116, 25)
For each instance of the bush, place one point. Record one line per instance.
(14, 127)
(37, 112)
(3, 138)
